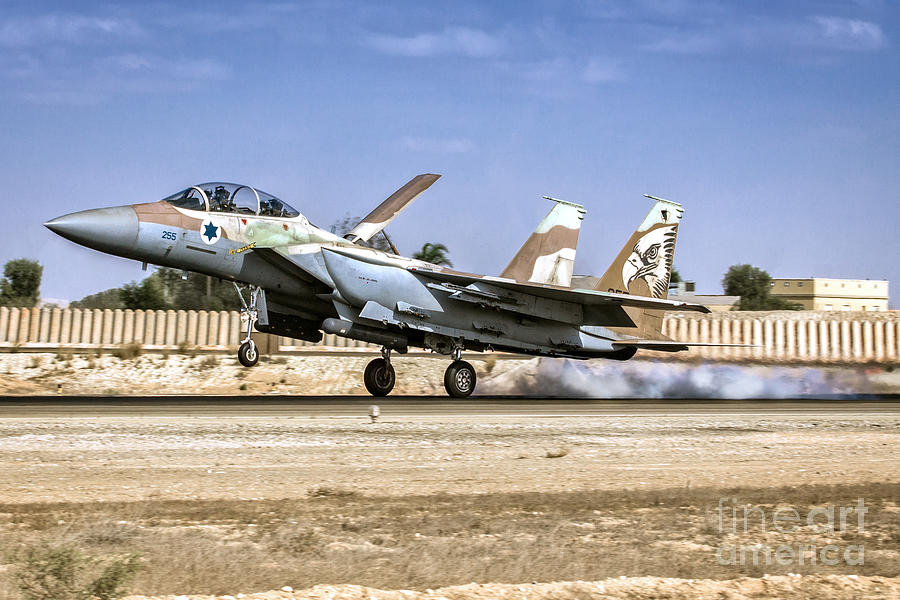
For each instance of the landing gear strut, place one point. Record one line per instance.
(248, 355)
(459, 378)
(379, 376)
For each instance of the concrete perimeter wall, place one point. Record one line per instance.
(860, 337)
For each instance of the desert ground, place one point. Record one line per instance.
(128, 370)
(454, 506)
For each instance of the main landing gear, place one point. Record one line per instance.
(248, 355)
(380, 376)
(459, 378)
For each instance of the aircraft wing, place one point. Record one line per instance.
(283, 263)
(551, 292)
(388, 210)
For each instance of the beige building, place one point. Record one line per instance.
(817, 293)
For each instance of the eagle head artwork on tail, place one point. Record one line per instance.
(644, 265)
(651, 260)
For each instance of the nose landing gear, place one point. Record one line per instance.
(379, 376)
(248, 355)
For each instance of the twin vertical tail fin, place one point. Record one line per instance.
(644, 266)
(548, 256)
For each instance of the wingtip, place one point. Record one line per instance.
(658, 199)
(565, 202)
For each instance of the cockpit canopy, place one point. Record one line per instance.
(231, 198)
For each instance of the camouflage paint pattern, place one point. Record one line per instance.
(164, 213)
(644, 265)
(312, 274)
(388, 210)
(548, 256)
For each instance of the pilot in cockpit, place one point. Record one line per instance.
(269, 208)
(220, 201)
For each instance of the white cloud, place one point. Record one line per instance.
(138, 65)
(132, 62)
(199, 69)
(451, 41)
(541, 71)
(63, 97)
(602, 70)
(438, 146)
(765, 34)
(58, 83)
(848, 34)
(66, 29)
(67, 59)
(686, 43)
(20, 66)
(654, 10)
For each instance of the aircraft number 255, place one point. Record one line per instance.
(169, 235)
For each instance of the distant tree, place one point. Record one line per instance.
(111, 298)
(146, 295)
(345, 225)
(775, 303)
(165, 289)
(675, 277)
(171, 282)
(21, 285)
(198, 292)
(434, 253)
(754, 286)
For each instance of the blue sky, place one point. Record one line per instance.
(776, 124)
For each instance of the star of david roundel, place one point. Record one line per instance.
(210, 232)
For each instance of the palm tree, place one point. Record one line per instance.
(436, 254)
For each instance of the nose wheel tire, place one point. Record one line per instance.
(379, 377)
(459, 379)
(248, 355)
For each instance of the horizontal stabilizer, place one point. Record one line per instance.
(671, 345)
(388, 210)
(550, 292)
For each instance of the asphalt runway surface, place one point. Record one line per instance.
(431, 406)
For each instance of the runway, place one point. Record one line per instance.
(431, 406)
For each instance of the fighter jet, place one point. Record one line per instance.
(301, 280)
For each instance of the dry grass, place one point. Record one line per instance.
(210, 361)
(221, 546)
(325, 491)
(186, 348)
(129, 351)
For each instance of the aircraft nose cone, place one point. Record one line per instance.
(113, 230)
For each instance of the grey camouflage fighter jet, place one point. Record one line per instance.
(302, 280)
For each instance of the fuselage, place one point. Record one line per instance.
(314, 279)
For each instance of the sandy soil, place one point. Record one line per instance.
(785, 587)
(338, 374)
(262, 464)
(213, 457)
